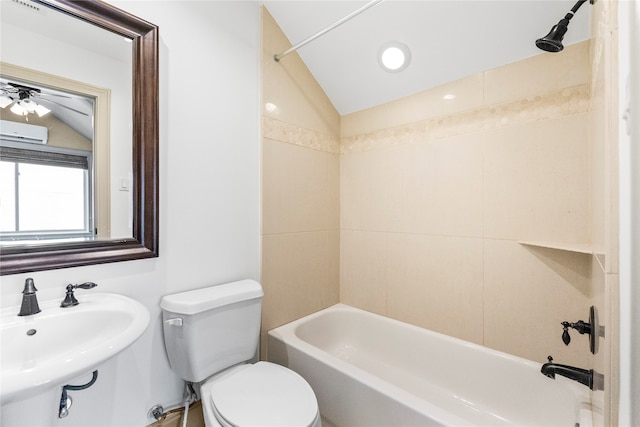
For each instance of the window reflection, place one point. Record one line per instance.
(45, 193)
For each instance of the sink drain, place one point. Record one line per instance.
(31, 332)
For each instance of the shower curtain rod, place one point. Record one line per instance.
(353, 14)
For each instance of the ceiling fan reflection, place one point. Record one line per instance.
(21, 99)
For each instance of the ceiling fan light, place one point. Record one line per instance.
(17, 109)
(5, 101)
(41, 110)
(28, 105)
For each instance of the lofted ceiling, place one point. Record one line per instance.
(448, 40)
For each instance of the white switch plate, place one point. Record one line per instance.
(124, 184)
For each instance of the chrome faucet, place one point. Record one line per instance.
(29, 300)
(70, 299)
(590, 378)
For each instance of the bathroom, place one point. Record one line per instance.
(356, 238)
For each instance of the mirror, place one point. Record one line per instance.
(144, 192)
(53, 184)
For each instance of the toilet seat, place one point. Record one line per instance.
(263, 394)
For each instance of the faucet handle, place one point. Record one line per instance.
(70, 299)
(550, 359)
(581, 326)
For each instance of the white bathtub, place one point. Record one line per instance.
(369, 370)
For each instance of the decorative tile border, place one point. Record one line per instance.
(285, 132)
(561, 103)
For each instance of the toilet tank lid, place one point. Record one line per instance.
(199, 300)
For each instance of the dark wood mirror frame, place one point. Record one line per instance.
(144, 243)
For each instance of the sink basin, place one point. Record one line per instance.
(52, 347)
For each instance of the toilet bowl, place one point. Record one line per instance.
(279, 398)
(211, 337)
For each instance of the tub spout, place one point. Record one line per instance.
(590, 378)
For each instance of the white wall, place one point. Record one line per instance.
(209, 205)
(629, 41)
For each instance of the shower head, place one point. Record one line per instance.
(552, 42)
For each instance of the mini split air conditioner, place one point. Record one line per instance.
(22, 132)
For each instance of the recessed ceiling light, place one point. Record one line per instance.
(394, 56)
(449, 97)
(271, 108)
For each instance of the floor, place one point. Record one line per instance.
(196, 419)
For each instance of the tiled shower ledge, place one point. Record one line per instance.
(583, 248)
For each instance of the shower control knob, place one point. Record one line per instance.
(566, 338)
(580, 326)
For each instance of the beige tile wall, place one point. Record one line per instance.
(415, 209)
(436, 194)
(300, 188)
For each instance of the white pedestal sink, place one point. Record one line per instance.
(48, 349)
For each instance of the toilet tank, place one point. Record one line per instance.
(210, 329)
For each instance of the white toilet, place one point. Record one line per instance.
(211, 336)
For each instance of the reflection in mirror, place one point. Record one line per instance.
(125, 188)
(62, 52)
(47, 160)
